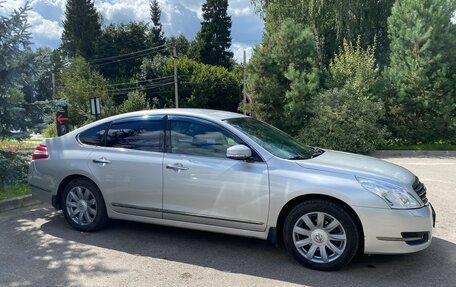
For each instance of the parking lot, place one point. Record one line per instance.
(38, 248)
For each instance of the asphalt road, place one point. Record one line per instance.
(37, 248)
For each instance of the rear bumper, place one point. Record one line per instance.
(41, 194)
(392, 231)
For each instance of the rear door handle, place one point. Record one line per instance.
(102, 160)
(176, 167)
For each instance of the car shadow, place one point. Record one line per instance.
(259, 258)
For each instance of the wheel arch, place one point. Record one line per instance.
(288, 207)
(63, 183)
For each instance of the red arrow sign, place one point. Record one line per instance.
(61, 119)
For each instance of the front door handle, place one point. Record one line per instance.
(176, 167)
(102, 160)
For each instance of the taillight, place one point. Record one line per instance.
(40, 152)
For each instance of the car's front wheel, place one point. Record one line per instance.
(83, 205)
(321, 235)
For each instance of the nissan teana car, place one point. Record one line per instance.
(229, 173)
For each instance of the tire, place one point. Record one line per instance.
(321, 235)
(82, 196)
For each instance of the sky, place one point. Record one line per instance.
(178, 17)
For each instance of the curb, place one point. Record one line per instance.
(17, 202)
(436, 153)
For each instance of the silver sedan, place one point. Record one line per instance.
(225, 172)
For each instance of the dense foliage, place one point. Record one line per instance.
(397, 61)
(136, 101)
(333, 21)
(345, 121)
(283, 76)
(118, 40)
(79, 83)
(421, 100)
(200, 85)
(20, 70)
(13, 166)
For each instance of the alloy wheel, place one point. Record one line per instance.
(319, 237)
(81, 205)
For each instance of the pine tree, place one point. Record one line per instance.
(215, 35)
(422, 70)
(157, 37)
(81, 28)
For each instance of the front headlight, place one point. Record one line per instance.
(395, 196)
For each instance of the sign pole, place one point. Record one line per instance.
(176, 94)
(95, 107)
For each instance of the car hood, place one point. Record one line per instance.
(358, 165)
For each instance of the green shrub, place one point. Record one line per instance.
(13, 166)
(136, 101)
(345, 122)
(50, 131)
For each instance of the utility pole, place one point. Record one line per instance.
(53, 83)
(243, 83)
(176, 93)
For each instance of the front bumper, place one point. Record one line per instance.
(394, 231)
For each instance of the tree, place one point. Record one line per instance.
(122, 39)
(200, 85)
(81, 28)
(283, 77)
(19, 69)
(215, 34)
(180, 42)
(79, 83)
(136, 101)
(157, 38)
(333, 21)
(41, 88)
(421, 77)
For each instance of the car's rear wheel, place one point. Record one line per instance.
(321, 235)
(83, 205)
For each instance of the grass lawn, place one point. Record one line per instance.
(13, 190)
(14, 145)
(418, 147)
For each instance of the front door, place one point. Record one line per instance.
(129, 166)
(202, 186)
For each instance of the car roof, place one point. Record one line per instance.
(201, 113)
(206, 113)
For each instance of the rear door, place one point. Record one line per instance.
(201, 185)
(129, 166)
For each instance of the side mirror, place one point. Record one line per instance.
(239, 151)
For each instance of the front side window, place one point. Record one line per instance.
(94, 136)
(137, 134)
(197, 138)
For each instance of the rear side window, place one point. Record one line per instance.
(94, 136)
(145, 135)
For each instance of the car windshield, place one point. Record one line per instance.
(273, 140)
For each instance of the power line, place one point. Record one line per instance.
(137, 87)
(117, 93)
(137, 82)
(127, 54)
(129, 58)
